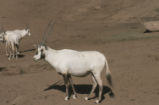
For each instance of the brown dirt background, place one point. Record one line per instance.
(109, 26)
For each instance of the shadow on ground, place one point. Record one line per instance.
(21, 55)
(28, 50)
(2, 69)
(83, 89)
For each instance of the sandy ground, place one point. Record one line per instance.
(111, 27)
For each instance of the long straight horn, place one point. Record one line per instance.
(47, 31)
(2, 29)
(26, 26)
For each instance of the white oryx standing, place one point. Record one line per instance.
(12, 39)
(69, 63)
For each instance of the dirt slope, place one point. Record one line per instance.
(109, 26)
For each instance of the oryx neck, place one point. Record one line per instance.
(24, 33)
(49, 51)
(50, 54)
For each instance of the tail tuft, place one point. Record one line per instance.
(108, 74)
(109, 78)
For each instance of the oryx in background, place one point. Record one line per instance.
(69, 63)
(12, 40)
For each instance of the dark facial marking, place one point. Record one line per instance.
(42, 50)
(42, 54)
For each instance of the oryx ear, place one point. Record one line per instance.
(46, 47)
(27, 29)
(4, 33)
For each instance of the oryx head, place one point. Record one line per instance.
(27, 30)
(40, 53)
(2, 34)
(42, 48)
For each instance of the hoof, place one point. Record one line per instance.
(86, 98)
(97, 102)
(74, 96)
(66, 98)
(9, 59)
(18, 53)
(16, 58)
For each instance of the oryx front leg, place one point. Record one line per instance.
(73, 88)
(66, 81)
(13, 50)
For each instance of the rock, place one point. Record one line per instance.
(151, 26)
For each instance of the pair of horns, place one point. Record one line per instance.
(47, 31)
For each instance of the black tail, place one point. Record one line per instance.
(108, 74)
(109, 79)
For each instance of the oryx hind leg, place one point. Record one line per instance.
(9, 51)
(93, 88)
(99, 82)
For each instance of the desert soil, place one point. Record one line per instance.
(109, 26)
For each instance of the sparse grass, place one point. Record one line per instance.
(154, 18)
(130, 35)
(154, 57)
(157, 9)
(2, 69)
(22, 71)
(126, 36)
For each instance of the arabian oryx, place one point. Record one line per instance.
(69, 63)
(12, 39)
